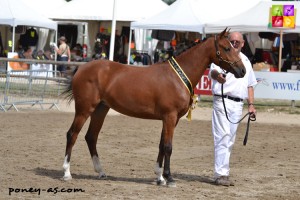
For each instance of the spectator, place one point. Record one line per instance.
(64, 54)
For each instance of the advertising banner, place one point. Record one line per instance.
(277, 85)
(271, 85)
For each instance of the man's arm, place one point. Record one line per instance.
(69, 53)
(251, 107)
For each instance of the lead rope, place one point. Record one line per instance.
(248, 122)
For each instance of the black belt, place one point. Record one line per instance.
(229, 97)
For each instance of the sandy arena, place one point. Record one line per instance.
(33, 146)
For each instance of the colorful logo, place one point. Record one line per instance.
(283, 16)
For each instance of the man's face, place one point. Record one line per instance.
(237, 42)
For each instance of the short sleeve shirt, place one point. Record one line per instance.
(235, 87)
(63, 48)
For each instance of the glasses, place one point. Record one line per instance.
(235, 43)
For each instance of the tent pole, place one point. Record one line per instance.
(13, 39)
(55, 54)
(203, 33)
(113, 33)
(280, 51)
(129, 46)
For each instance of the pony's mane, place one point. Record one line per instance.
(195, 43)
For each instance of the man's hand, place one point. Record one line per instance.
(221, 78)
(52, 44)
(252, 110)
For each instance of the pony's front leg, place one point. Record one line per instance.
(169, 124)
(158, 166)
(165, 151)
(167, 171)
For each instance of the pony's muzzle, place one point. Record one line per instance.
(239, 71)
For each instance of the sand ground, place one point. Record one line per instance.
(32, 145)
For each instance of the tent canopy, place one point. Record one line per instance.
(192, 15)
(16, 12)
(40, 5)
(255, 19)
(179, 16)
(129, 10)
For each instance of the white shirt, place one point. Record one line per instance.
(235, 87)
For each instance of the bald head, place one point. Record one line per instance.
(235, 36)
(237, 41)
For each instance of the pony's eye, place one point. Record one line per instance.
(227, 48)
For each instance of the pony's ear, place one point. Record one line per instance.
(223, 33)
(228, 31)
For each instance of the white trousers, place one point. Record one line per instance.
(224, 132)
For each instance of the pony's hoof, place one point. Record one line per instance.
(102, 176)
(171, 184)
(160, 182)
(67, 178)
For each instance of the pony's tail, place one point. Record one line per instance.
(67, 92)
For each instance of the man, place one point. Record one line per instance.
(234, 91)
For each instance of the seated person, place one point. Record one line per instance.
(77, 53)
(39, 55)
(25, 53)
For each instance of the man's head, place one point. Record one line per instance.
(237, 41)
(62, 39)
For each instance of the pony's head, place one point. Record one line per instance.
(226, 56)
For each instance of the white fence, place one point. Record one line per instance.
(30, 87)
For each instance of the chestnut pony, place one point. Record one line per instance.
(150, 92)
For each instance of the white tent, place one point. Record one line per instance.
(180, 15)
(15, 12)
(255, 19)
(192, 15)
(126, 10)
(108, 10)
(45, 6)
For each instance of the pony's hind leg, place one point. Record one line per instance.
(158, 166)
(72, 134)
(91, 137)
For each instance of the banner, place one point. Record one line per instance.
(282, 16)
(205, 85)
(277, 85)
(271, 85)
